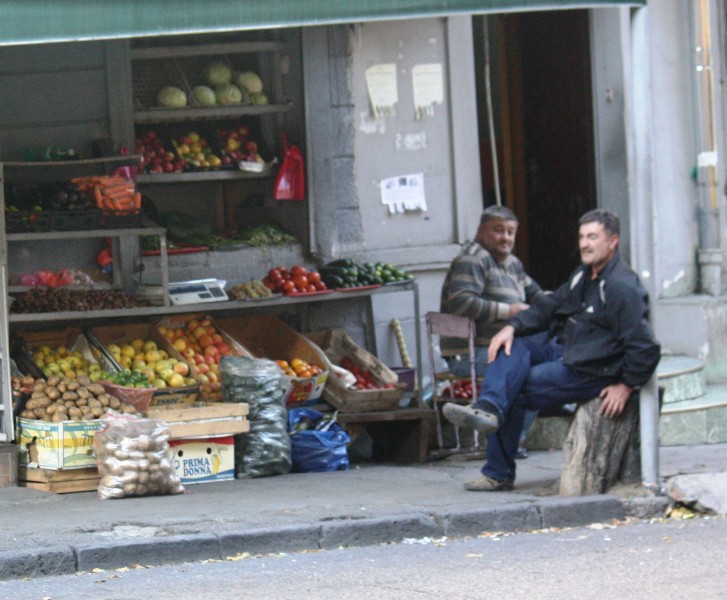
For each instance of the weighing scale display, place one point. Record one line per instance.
(196, 291)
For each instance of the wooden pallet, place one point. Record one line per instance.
(59, 482)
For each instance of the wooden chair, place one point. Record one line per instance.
(441, 324)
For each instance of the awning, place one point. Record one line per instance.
(39, 21)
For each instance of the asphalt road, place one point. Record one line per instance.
(640, 560)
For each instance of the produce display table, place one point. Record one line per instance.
(399, 435)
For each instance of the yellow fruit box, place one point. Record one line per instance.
(202, 460)
(100, 338)
(337, 344)
(57, 446)
(268, 337)
(25, 344)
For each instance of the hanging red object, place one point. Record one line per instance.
(290, 181)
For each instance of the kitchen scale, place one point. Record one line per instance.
(197, 291)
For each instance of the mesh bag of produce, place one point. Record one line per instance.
(265, 449)
(133, 458)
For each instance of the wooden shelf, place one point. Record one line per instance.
(207, 113)
(199, 176)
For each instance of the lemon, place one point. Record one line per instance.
(149, 345)
(137, 344)
(128, 350)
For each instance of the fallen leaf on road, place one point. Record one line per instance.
(97, 570)
(238, 556)
(473, 555)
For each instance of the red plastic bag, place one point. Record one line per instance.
(290, 182)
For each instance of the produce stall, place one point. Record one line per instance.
(109, 244)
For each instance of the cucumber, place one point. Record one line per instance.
(341, 262)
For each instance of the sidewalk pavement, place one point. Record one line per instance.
(54, 534)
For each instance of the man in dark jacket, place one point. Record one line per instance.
(590, 338)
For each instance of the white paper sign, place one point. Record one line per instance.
(404, 192)
(381, 86)
(428, 88)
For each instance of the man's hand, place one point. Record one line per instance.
(614, 397)
(504, 337)
(516, 308)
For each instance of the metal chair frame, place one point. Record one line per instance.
(442, 324)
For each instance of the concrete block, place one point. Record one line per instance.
(646, 508)
(366, 532)
(157, 551)
(48, 561)
(273, 539)
(574, 512)
(515, 517)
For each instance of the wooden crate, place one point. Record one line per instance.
(216, 418)
(59, 482)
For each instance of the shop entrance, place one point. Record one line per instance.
(541, 90)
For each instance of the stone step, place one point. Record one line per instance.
(682, 378)
(700, 420)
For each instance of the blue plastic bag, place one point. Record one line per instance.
(316, 451)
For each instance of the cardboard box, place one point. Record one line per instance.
(28, 341)
(215, 418)
(57, 446)
(201, 460)
(269, 337)
(100, 337)
(336, 344)
(174, 322)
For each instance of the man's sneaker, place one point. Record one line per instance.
(521, 453)
(488, 484)
(470, 417)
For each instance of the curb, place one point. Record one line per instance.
(517, 517)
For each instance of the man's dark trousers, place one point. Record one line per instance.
(533, 377)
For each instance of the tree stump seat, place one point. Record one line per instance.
(599, 452)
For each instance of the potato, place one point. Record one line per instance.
(82, 402)
(70, 396)
(84, 380)
(31, 404)
(73, 385)
(74, 411)
(27, 414)
(95, 388)
(114, 403)
(40, 386)
(83, 392)
(52, 393)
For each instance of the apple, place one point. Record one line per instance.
(199, 332)
(192, 324)
(188, 352)
(210, 359)
(182, 368)
(223, 348)
(205, 341)
(211, 351)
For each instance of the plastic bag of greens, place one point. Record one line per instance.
(265, 449)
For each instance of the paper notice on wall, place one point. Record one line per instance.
(404, 192)
(428, 88)
(381, 86)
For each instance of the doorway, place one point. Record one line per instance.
(541, 85)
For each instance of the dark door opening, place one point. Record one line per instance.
(541, 80)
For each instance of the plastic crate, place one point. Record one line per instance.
(74, 220)
(25, 221)
(119, 219)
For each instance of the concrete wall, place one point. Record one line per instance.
(350, 152)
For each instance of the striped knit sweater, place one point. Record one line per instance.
(477, 286)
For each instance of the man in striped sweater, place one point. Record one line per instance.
(487, 283)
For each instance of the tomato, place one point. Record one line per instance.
(301, 282)
(311, 288)
(314, 277)
(320, 286)
(298, 270)
(274, 275)
(288, 287)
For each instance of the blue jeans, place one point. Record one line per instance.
(533, 377)
(460, 366)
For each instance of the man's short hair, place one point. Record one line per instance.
(610, 221)
(497, 212)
